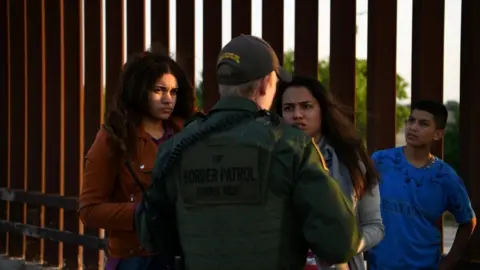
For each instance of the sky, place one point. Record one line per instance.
(404, 35)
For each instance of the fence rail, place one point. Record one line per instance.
(52, 97)
(38, 200)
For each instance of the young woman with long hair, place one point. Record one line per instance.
(304, 102)
(153, 99)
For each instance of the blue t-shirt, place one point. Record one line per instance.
(412, 201)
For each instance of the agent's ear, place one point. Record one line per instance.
(262, 86)
(265, 82)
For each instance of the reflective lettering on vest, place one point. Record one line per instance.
(220, 174)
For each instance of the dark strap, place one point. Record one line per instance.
(195, 117)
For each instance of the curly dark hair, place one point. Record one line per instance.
(339, 130)
(130, 102)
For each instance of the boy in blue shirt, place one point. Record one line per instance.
(416, 188)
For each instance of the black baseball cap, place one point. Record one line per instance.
(250, 58)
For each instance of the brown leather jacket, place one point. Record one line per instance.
(109, 193)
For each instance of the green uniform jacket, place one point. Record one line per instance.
(253, 196)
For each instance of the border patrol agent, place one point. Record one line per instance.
(237, 188)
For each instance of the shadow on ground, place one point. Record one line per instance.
(12, 264)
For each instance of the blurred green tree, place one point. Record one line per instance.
(361, 93)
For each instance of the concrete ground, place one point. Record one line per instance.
(9, 264)
(449, 231)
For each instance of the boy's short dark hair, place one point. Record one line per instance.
(437, 109)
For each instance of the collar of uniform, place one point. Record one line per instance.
(235, 103)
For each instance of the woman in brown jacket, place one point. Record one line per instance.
(153, 99)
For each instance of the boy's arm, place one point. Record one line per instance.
(458, 203)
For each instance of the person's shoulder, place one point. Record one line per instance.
(177, 123)
(195, 117)
(291, 130)
(385, 153)
(446, 168)
(292, 134)
(102, 145)
(455, 191)
(274, 127)
(447, 174)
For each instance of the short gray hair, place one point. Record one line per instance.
(244, 89)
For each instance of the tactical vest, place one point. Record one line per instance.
(227, 215)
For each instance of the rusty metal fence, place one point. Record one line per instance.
(49, 118)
